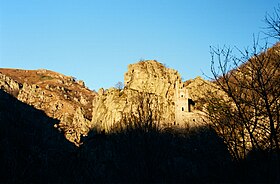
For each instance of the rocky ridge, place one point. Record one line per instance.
(60, 97)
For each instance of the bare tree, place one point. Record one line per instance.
(119, 85)
(248, 116)
(273, 23)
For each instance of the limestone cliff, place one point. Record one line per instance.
(145, 79)
(152, 77)
(60, 97)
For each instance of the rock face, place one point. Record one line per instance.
(9, 85)
(199, 90)
(144, 80)
(59, 96)
(152, 77)
(114, 104)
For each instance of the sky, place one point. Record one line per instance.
(95, 40)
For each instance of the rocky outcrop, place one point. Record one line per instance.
(113, 105)
(152, 77)
(9, 85)
(59, 96)
(146, 82)
(200, 90)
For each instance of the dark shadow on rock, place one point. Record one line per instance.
(32, 150)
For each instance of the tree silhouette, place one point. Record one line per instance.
(119, 85)
(246, 115)
(273, 24)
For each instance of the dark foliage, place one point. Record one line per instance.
(31, 149)
(197, 155)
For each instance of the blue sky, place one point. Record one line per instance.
(95, 40)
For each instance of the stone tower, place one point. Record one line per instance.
(182, 106)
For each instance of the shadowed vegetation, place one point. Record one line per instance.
(33, 151)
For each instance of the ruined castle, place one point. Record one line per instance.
(185, 113)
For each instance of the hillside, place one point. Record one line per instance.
(60, 97)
